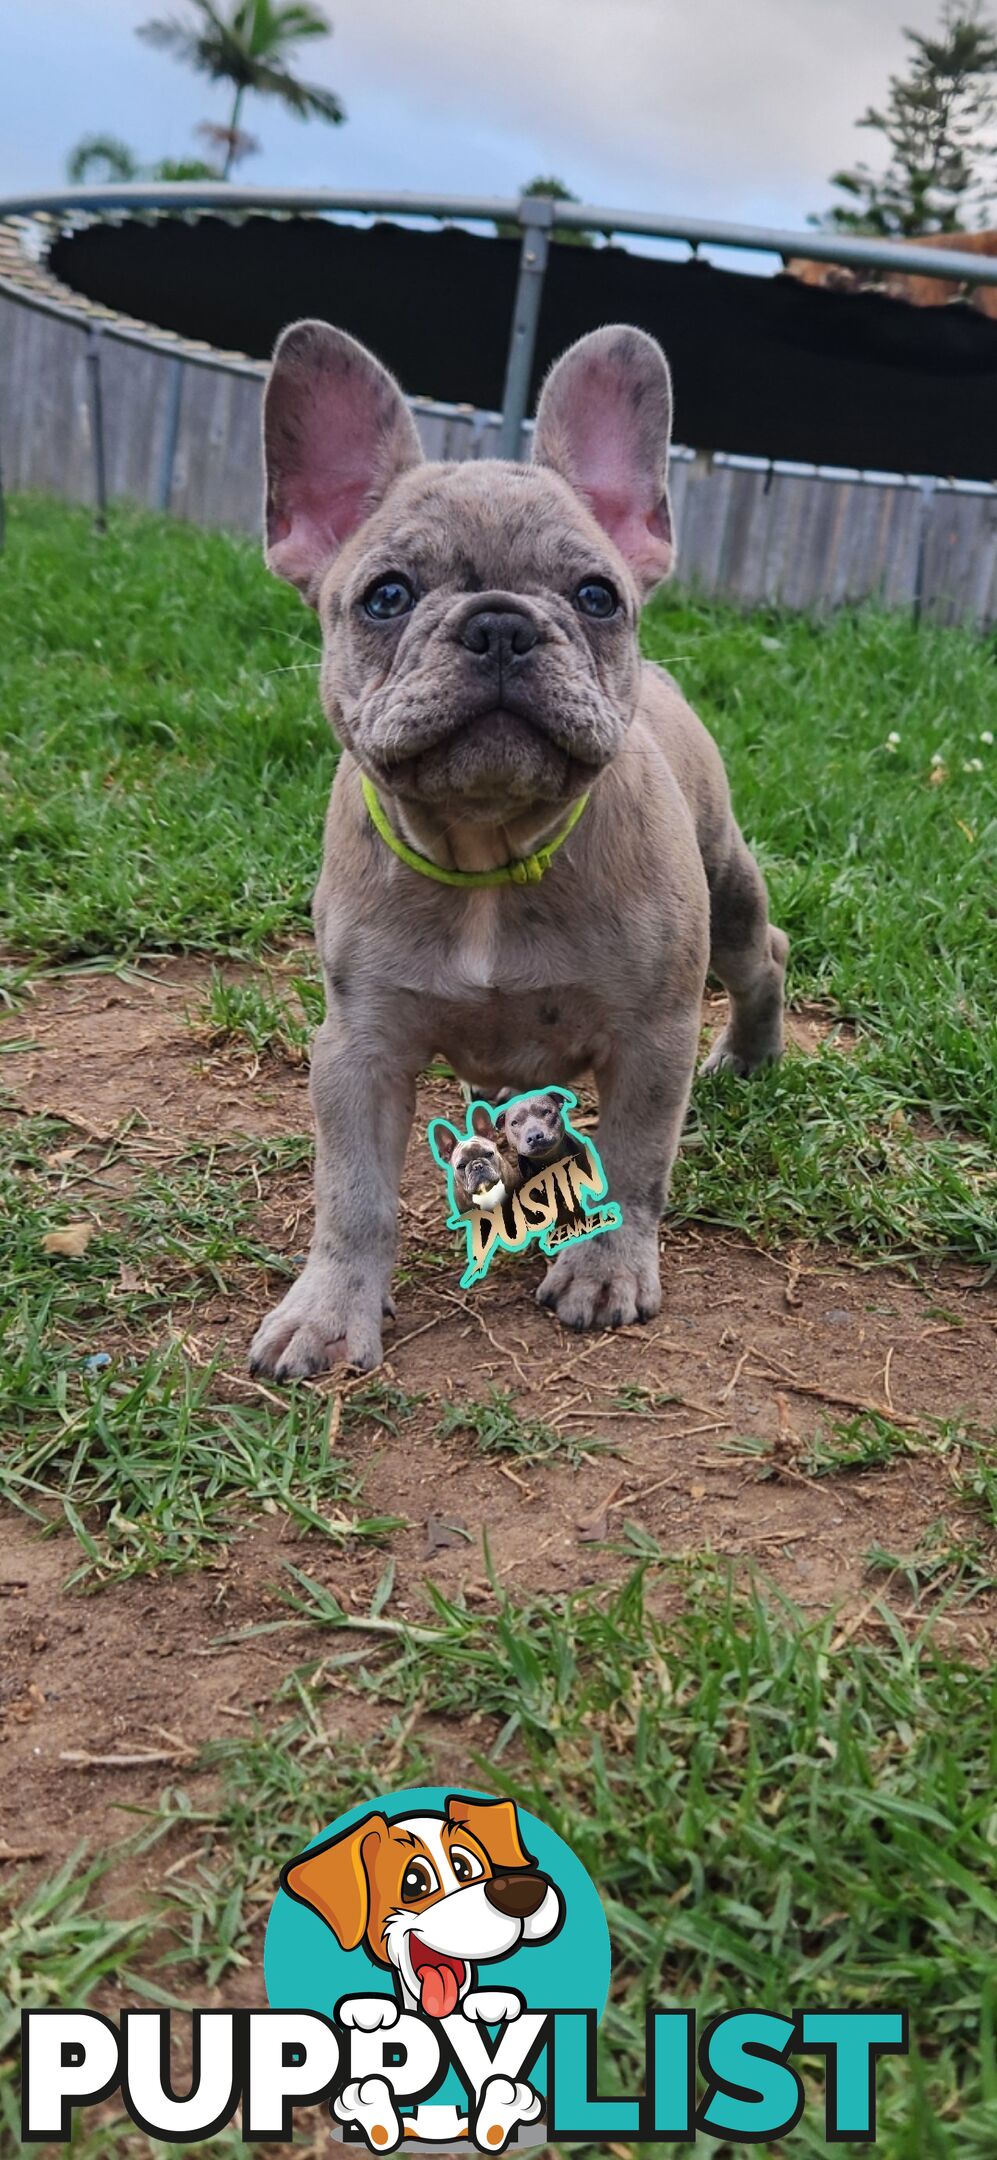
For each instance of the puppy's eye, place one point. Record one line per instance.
(418, 1881)
(466, 1866)
(388, 598)
(597, 597)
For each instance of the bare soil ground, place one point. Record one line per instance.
(749, 1347)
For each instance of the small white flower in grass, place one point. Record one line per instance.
(987, 736)
(973, 764)
(937, 758)
(893, 738)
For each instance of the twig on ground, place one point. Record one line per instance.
(887, 1397)
(515, 1479)
(859, 1403)
(79, 1760)
(726, 1392)
(503, 1351)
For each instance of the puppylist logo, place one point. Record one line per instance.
(436, 1965)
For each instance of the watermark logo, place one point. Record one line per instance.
(436, 1964)
(520, 1174)
(445, 1927)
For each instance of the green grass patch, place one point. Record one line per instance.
(164, 767)
(496, 1427)
(940, 1565)
(104, 1424)
(269, 1022)
(768, 1820)
(152, 1473)
(882, 879)
(164, 757)
(820, 1147)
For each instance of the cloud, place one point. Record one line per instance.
(733, 108)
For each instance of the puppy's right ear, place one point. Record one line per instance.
(336, 434)
(481, 1122)
(443, 1140)
(604, 423)
(332, 1879)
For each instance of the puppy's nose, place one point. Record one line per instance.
(517, 1896)
(535, 1141)
(500, 635)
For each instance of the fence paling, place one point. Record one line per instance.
(775, 536)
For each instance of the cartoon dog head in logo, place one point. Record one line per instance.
(430, 1896)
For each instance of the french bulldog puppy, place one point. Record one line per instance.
(484, 1171)
(534, 1129)
(481, 671)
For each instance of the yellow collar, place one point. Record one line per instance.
(528, 871)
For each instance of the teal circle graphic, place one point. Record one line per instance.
(304, 1967)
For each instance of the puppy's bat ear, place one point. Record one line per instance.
(481, 1122)
(336, 434)
(495, 1824)
(333, 1879)
(604, 423)
(443, 1140)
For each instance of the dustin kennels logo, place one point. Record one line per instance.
(436, 1965)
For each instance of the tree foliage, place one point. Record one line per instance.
(105, 158)
(251, 45)
(938, 123)
(547, 184)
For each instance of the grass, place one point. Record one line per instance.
(496, 1427)
(151, 1472)
(939, 1565)
(166, 768)
(256, 1014)
(163, 748)
(149, 1469)
(766, 1818)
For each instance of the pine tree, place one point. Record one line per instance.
(939, 122)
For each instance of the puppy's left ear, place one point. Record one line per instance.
(481, 1122)
(336, 435)
(443, 1140)
(604, 423)
(495, 1824)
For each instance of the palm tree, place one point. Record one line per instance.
(104, 158)
(249, 44)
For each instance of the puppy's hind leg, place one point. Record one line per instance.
(749, 954)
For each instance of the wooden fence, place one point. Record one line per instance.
(181, 433)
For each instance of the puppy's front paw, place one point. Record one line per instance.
(331, 1316)
(607, 1281)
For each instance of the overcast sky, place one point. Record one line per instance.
(732, 108)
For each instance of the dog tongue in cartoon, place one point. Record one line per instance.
(440, 1978)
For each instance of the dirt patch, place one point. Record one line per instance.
(103, 1047)
(694, 1433)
